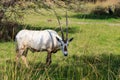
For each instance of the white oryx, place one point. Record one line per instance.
(45, 40)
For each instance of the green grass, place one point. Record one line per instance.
(94, 54)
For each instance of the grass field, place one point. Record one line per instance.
(94, 54)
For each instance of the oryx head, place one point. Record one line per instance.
(65, 41)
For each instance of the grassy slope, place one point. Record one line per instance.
(92, 54)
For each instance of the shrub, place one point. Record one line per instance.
(8, 30)
(117, 10)
(99, 10)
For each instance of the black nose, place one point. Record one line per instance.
(65, 54)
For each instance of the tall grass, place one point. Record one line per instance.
(100, 67)
(93, 54)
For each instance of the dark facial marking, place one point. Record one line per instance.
(65, 48)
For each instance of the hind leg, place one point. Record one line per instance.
(24, 55)
(18, 55)
(25, 61)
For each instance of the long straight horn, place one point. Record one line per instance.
(59, 24)
(66, 26)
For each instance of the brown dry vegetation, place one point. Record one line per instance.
(113, 4)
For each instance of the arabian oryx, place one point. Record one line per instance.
(45, 40)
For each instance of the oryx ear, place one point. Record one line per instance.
(70, 39)
(58, 39)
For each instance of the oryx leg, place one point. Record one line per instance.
(23, 56)
(48, 59)
(19, 52)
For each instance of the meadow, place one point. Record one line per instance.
(94, 54)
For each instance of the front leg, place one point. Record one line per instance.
(48, 59)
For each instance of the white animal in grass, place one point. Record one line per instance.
(45, 40)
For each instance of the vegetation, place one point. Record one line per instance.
(93, 54)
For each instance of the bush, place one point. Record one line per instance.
(117, 10)
(99, 10)
(8, 30)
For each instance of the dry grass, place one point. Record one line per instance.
(102, 8)
(105, 4)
